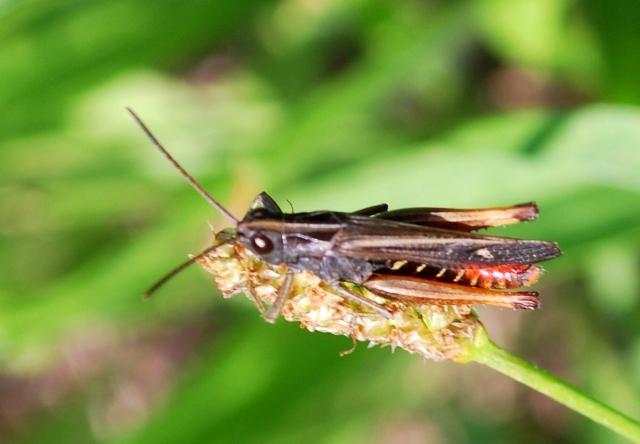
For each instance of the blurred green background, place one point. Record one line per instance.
(330, 105)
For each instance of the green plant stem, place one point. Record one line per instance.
(488, 353)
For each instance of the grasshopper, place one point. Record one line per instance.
(416, 255)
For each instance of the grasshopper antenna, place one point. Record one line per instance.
(177, 270)
(189, 179)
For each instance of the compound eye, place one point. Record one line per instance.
(262, 244)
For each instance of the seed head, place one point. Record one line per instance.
(438, 332)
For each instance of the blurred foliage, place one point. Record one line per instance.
(328, 104)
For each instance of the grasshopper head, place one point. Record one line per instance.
(261, 230)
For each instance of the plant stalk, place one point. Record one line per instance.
(488, 353)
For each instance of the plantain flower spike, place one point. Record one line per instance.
(438, 332)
